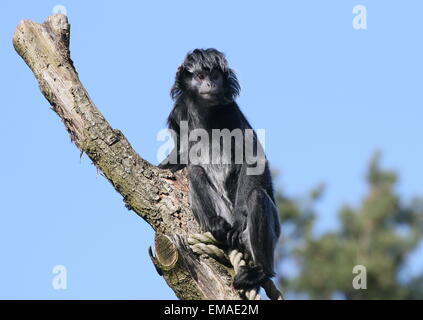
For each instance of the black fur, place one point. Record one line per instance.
(237, 208)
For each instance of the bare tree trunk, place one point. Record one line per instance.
(158, 196)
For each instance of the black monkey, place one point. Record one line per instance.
(238, 208)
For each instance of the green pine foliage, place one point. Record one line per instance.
(379, 234)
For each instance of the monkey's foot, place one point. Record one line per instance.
(205, 243)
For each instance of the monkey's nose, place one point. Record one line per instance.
(207, 87)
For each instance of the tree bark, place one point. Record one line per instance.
(158, 196)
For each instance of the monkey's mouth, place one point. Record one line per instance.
(209, 94)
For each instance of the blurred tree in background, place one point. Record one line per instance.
(379, 235)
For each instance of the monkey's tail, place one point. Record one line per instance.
(249, 278)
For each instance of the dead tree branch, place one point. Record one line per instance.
(158, 196)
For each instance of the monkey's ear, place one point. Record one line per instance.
(181, 71)
(233, 83)
(176, 90)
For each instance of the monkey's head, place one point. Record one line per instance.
(204, 75)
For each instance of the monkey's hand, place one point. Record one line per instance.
(220, 229)
(225, 234)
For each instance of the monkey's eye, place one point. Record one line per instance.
(200, 76)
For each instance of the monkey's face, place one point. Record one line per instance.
(205, 76)
(207, 85)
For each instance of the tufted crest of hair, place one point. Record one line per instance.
(205, 59)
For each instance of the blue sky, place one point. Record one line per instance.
(326, 94)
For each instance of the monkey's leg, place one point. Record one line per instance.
(259, 238)
(209, 207)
